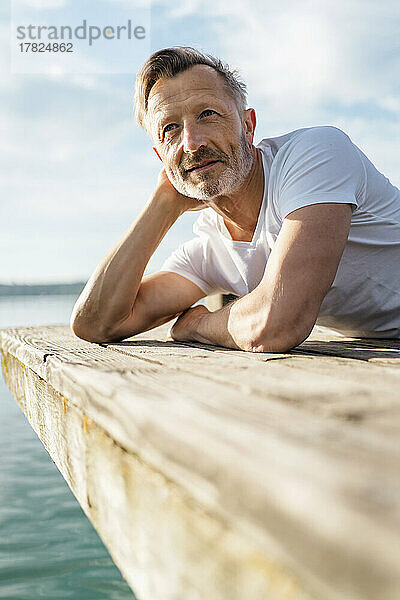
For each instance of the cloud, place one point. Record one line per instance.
(38, 4)
(76, 171)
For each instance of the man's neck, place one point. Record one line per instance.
(240, 210)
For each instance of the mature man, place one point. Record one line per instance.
(302, 227)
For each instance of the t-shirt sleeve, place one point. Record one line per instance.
(319, 165)
(187, 260)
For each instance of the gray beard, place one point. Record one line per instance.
(227, 183)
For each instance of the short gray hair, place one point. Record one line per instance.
(171, 61)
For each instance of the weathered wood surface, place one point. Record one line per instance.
(213, 473)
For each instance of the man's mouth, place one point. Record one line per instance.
(202, 166)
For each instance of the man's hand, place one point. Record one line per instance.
(185, 327)
(165, 188)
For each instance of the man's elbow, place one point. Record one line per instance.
(283, 338)
(88, 330)
(82, 331)
(91, 329)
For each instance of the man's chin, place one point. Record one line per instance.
(197, 193)
(205, 189)
(204, 199)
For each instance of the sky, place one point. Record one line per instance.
(75, 169)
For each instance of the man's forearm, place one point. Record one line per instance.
(110, 293)
(235, 325)
(247, 324)
(212, 328)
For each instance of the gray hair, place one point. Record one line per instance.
(171, 61)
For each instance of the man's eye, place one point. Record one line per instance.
(169, 127)
(207, 112)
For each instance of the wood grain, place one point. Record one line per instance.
(291, 458)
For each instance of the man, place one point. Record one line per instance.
(301, 227)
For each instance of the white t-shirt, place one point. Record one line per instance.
(309, 166)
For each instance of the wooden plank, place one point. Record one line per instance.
(153, 530)
(379, 351)
(317, 497)
(327, 385)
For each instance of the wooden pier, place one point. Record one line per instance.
(218, 474)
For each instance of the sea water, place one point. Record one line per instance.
(48, 547)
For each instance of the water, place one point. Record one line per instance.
(48, 547)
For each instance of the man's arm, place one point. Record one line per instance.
(116, 302)
(281, 311)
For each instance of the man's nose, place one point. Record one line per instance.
(193, 138)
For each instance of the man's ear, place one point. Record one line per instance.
(156, 151)
(249, 123)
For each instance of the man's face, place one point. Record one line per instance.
(198, 133)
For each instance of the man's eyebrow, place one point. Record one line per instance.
(164, 118)
(161, 119)
(199, 107)
(210, 102)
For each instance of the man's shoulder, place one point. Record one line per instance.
(315, 164)
(320, 133)
(305, 136)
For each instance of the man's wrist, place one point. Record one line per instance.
(198, 330)
(167, 204)
(212, 328)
